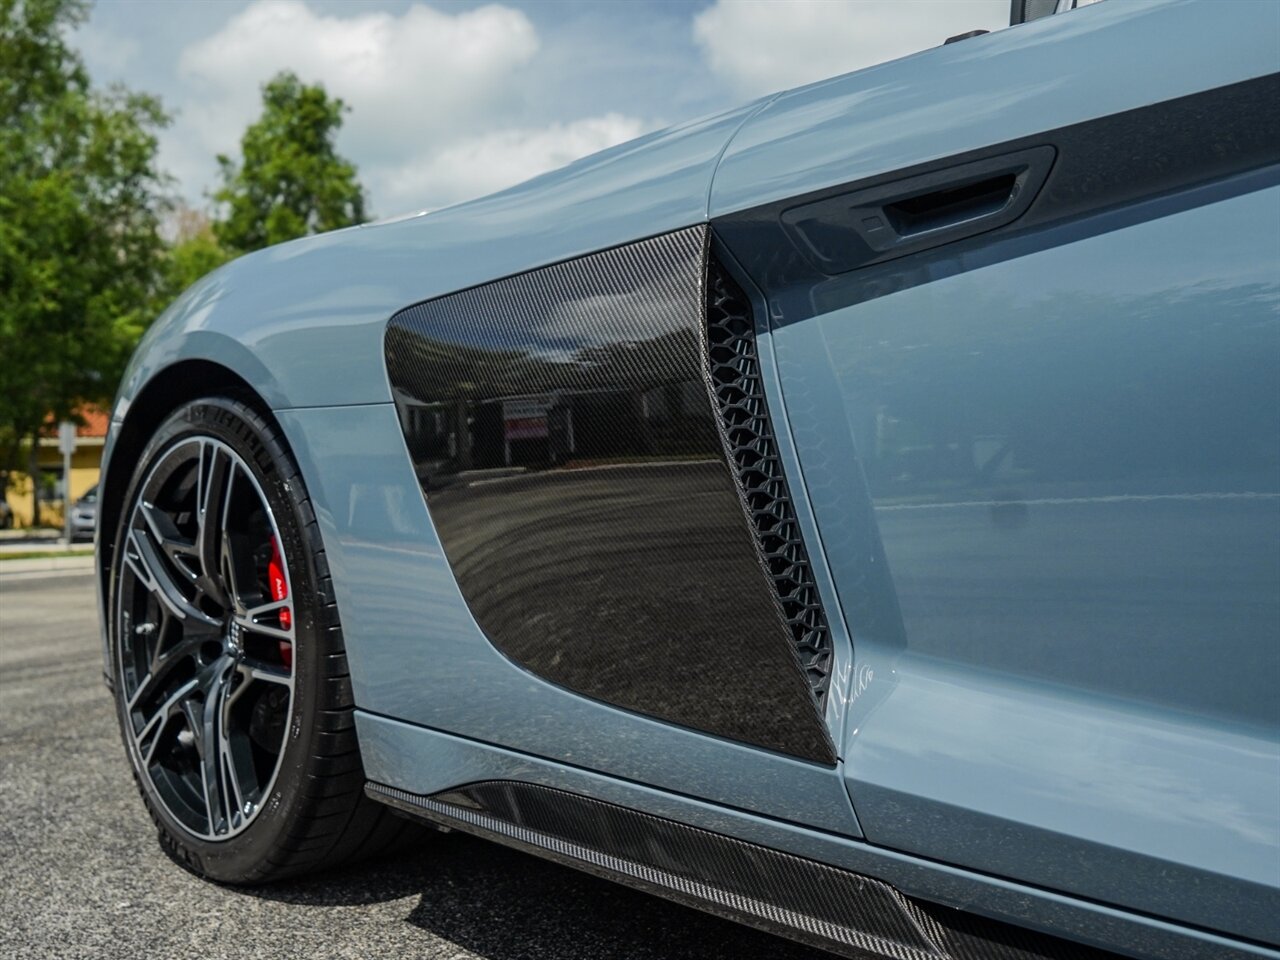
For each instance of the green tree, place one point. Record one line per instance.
(194, 252)
(291, 181)
(80, 256)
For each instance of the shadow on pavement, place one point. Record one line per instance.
(501, 904)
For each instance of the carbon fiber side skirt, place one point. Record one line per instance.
(813, 903)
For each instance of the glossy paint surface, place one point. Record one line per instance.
(1058, 673)
(444, 760)
(1102, 174)
(417, 654)
(1004, 85)
(1073, 464)
(562, 429)
(302, 322)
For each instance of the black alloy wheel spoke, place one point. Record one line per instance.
(258, 620)
(214, 476)
(221, 809)
(149, 737)
(252, 669)
(164, 535)
(206, 650)
(161, 667)
(149, 565)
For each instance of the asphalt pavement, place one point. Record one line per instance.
(81, 874)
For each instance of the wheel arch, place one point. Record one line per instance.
(167, 390)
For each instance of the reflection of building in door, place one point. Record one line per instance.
(554, 429)
(526, 429)
(560, 439)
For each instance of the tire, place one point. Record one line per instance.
(260, 822)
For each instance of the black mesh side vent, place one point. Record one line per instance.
(734, 370)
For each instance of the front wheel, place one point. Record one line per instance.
(228, 662)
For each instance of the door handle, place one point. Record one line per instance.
(888, 220)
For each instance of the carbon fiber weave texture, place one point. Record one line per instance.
(733, 365)
(841, 911)
(561, 426)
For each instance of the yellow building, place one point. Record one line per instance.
(86, 463)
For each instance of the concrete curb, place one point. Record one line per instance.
(46, 565)
(25, 546)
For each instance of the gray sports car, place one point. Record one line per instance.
(856, 514)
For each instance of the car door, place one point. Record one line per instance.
(1021, 297)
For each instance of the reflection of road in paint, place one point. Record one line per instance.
(637, 584)
(1158, 597)
(1059, 501)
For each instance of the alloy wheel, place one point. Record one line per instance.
(205, 634)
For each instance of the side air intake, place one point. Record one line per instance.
(734, 370)
(575, 466)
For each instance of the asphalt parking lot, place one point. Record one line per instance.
(82, 876)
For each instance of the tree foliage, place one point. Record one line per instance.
(80, 255)
(83, 265)
(291, 180)
(195, 251)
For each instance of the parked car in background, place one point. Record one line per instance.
(855, 514)
(84, 515)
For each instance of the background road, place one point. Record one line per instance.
(82, 876)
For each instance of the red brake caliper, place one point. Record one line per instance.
(280, 591)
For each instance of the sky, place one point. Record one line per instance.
(453, 99)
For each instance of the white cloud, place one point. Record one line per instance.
(482, 164)
(448, 102)
(412, 81)
(762, 46)
(405, 77)
(105, 51)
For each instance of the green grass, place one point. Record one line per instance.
(46, 554)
